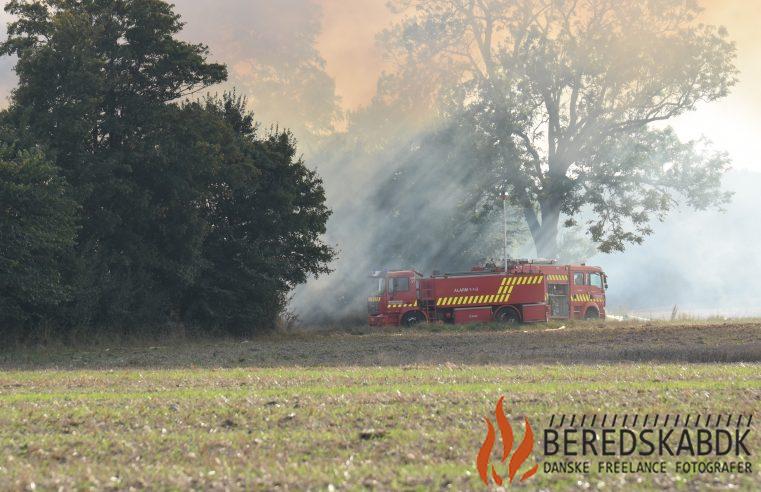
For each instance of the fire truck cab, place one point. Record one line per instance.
(394, 299)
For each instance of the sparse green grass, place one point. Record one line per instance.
(147, 418)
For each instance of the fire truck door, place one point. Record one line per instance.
(558, 294)
(402, 289)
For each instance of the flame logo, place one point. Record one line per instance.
(519, 457)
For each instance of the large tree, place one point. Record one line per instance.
(569, 94)
(95, 78)
(172, 193)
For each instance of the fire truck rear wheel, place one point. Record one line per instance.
(413, 318)
(592, 313)
(508, 316)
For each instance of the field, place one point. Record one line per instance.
(359, 409)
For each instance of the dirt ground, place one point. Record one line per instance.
(569, 343)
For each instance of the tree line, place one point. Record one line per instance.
(129, 201)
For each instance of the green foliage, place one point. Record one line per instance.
(37, 228)
(266, 212)
(568, 92)
(184, 209)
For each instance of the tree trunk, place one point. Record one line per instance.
(546, 238)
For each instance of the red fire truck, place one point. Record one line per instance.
(529, 291)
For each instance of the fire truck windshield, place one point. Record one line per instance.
(378, 286)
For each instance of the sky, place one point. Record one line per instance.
(354, 61)
(347, 43)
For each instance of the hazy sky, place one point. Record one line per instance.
(348, 45)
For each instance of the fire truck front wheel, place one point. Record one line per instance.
(508, 316)
(413, 318)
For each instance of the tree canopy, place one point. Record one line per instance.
(567, 95)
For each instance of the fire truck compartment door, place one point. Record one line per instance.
(558, 294)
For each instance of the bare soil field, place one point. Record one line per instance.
(569, 343)
(396, 410)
